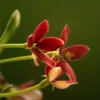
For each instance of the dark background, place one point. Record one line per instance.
(83, 18)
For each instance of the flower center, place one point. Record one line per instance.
(34, 46)
(69, 55)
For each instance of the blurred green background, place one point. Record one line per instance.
(83, 18)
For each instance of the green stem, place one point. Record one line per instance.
(44, 83)
(23, 45)
(17, 59)
(28, 57)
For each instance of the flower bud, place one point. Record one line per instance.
(11, 27)
(14, 20)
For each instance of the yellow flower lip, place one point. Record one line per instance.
(54, 73)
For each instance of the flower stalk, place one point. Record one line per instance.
(23, 45)
(44, 83)
(16, 59)
(28, 57)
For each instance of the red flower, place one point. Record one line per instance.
(70, 53)
(36, 43)
(56, 72)
(73, 52)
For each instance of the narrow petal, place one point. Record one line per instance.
(58, 64)
(68, 70)
(48, 68)
(63, 84)
(29, 41)
(40, 31)
(50, 44)
(54, 73)
(65, 34)
(35, 60)
(43, 57)
(77, 50)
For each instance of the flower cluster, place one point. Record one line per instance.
(57, 64)
(49, 50)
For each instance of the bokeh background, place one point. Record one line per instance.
(83, 18)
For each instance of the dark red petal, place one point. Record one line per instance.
(58, 64)
(78, 51)
(50, 43)
(65, 34)
(25, 85)
(68, 70)
(40, 31)
(47, 69)
(43, 57)
(30, 41)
